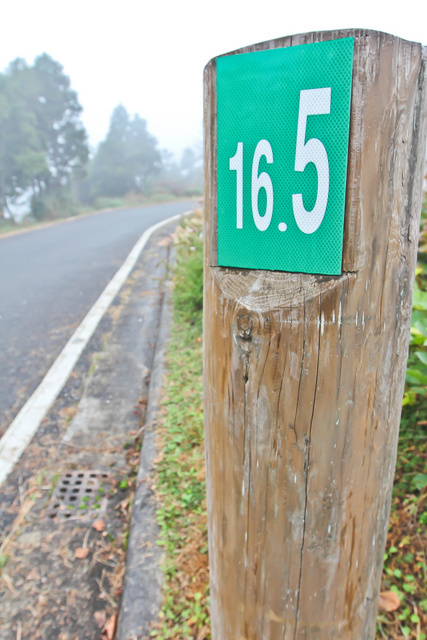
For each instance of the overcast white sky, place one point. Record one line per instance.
(149, 55)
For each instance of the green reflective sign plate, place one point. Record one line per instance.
(282, 146)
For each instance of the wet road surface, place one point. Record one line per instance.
(49, 279)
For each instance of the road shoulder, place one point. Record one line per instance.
(62, 576)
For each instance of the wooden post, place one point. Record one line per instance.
(304, 378)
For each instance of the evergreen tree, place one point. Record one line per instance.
(43, 143)
(191, 167)
(58, 116)
(126, 158)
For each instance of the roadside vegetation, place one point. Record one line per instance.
(404, 613)
(180, 468)
(181, 475)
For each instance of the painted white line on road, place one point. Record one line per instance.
(26, 423)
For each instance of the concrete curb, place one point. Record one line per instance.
(142, 590)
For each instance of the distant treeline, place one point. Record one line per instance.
(46, 166)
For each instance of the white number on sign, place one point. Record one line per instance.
(260, 181)
(312, 102)
(236, 164)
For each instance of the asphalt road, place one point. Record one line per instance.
(49, 279)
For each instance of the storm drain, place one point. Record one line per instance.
(79, 494)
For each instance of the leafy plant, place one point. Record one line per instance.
(188, 285)
(405, 561)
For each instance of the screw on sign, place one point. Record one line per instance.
(312, 204)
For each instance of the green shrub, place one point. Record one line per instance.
(188, 289)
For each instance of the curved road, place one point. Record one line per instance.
(49, 279)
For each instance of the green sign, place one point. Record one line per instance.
(283, 127)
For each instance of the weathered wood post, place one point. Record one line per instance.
(305, 361)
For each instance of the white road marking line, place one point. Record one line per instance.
(22, 429)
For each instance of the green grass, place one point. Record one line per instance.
(180, 469)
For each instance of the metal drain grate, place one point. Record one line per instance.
(79, 494)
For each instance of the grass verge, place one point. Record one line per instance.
(180, 468)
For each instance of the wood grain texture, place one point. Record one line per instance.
(304, 379)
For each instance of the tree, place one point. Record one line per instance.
(191, 167)
(20, 146)
(58, 116)
(126, 158)
(43, 143)
(170, 180)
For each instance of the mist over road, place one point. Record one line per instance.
(49, 279)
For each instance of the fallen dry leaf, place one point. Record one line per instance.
(33, 575)
(164, 243)
(68, 412)
(108, 631)
(389, 601)
(100, 618)
(99, 525)
(81, 553)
